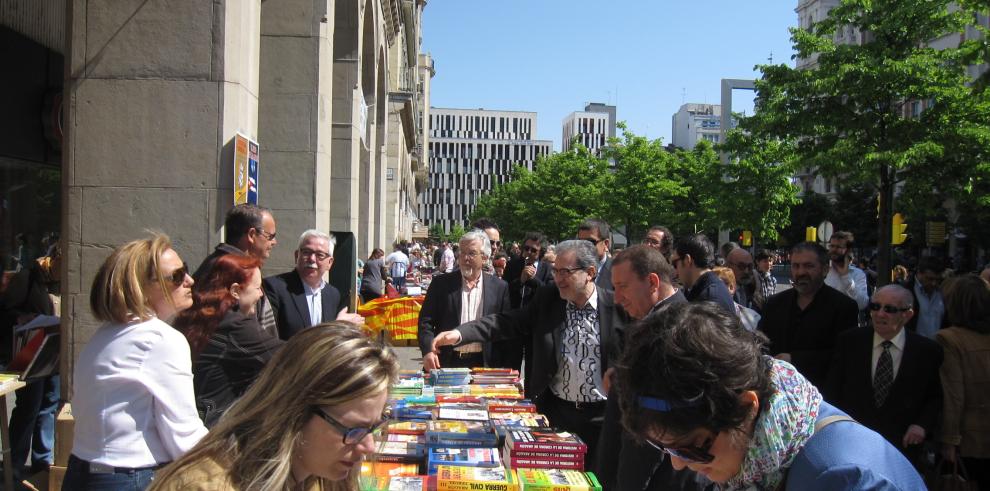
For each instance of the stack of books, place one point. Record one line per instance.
(465, 411)
(467, 457)
(460, 434)
(556, 480)
(499, 391)
(543, 448)
(506, 422)
(460, 478)
(450, 376)
(409, 386)
(494, 376)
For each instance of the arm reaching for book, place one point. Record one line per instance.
(446, 338)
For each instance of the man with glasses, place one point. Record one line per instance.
(740, 261)
(887, 377)
(525, 275)
(572, 329)
(661, 239)
(598, 233)
(803, 322)
(302, 298)
(249, 231)
(458, 297)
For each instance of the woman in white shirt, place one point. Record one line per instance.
(133, 399)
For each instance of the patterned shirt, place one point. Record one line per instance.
(579, 372)
(768, 283)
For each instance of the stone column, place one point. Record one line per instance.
(155, 91)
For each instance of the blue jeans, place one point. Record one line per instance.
(399, 282)
(32, 424)
(78, 478)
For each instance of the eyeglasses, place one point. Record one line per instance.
(495, 243)
(742, 266)
(352, 436)
(565, 271)
(320, 255)
(890, 309)
(269, 236)
(178, 277)
(652, 242)
(472, 254)
(701, 454)
(529, 249)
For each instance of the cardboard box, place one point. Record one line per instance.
(64, 427)
(56, 474)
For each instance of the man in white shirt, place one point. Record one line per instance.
(446, 259)
(842, 274)
(302, 298)
(398, 264)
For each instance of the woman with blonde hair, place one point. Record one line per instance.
(133, 401)
(305, 424)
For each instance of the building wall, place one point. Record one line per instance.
(590, 128)
(471, 151)
(695, 122)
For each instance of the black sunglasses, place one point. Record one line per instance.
(178, 277)
(701, 454)
(594, 241)
(352, 436)
(531, 249)
(890, 309)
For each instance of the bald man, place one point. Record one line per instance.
(887, 377)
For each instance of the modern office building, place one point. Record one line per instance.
(694, 122)
(592, 127)
(471, 151)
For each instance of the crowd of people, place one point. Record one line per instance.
(680, 367)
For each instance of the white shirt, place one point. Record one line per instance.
(133, 401)
(397, 263)
(471, 310)
(447, 261)
(853, 284)
(931, 309)
(896, 352)
(314, 299)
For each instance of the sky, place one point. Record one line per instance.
(647, 57)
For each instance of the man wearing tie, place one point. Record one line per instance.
(301, 298)
(887, 378)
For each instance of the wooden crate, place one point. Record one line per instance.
(64, 427)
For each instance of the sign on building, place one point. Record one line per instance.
(245, 170)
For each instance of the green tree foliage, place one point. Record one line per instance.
(853, 114)
(811, 210)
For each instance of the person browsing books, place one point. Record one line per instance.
(305, 424)
(133, 401)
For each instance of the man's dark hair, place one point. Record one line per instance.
(701, 250)
(242, 218)
(761, 254)
(537, 237)
(815, 248)
(696, 358)
(930, 264)
(668, 237)
(727, 248)
(645, 260)
(967, 303)
(844, 235)
(598, 226)
(485, 223)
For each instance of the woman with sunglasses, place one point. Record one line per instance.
(696, 385)
(229, 347)
(133, 400)
(305, 424)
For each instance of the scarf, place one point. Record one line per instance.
(781, 431)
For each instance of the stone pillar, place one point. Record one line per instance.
(294, 119)
(345, 118)
(155, 91)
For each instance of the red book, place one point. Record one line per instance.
(544, 440)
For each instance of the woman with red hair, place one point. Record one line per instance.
(229, 347)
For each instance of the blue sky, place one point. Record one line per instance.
(644, 56)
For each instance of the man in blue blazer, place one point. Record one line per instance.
(887, 377)
(301, 298)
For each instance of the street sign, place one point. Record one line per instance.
(245, 170)
(935, 233)
(825, 231)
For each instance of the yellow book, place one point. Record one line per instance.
(457, 478)
(557, 480)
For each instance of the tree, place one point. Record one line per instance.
(887, 110)
(811, 210)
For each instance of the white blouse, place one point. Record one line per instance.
(133, 400)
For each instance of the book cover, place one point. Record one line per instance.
(524, 463)
(410, 427)
(462, 411)
(408, 483)
(557, 480)
(388, 469)
(444, 433)
(473, 457)
(511, 406)
(558, 456)
(544, 440)
(460, 478)
(44, 363)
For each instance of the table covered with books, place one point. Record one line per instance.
(471, 429)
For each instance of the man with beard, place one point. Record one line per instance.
(740, 261)
(842, 274)
(803, 322)
(458, 297)
(301, 298)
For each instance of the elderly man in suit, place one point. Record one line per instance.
(301, 298)
(887, 378)
(571, 326)
(461, 296)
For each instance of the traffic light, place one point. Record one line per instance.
(898, 235)
(746, 238)
(810, 234)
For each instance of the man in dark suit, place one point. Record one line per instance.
(572, 327)
(461, 296)
(301, 298)
(525, 275)
(642, 280)
(887, 378)
(693, 258)
(598, 233)
(803, 322)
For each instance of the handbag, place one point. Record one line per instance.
(957, 480)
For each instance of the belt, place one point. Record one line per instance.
(467, 354)
(98, 468)
(578, 405)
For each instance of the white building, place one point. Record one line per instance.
(472, 150)
(694, 122)
(590, 128)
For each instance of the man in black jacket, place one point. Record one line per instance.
(572, 327)
(525, 275)
(692, 259)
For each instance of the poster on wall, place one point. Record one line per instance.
(245, 170)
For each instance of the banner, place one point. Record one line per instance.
(398, 317)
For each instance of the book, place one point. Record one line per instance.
(409, 483)
(544, 440)
(473, 457)
(443, 433)
(404, 452)
(510, 406)
(558, 456)
(527, 463)
(505, 422)
(39, 357)
(464, 411)
(409, 427)
(557, 480)
(461, 478)
(388, 469)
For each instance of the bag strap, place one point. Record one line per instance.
(822, 423)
